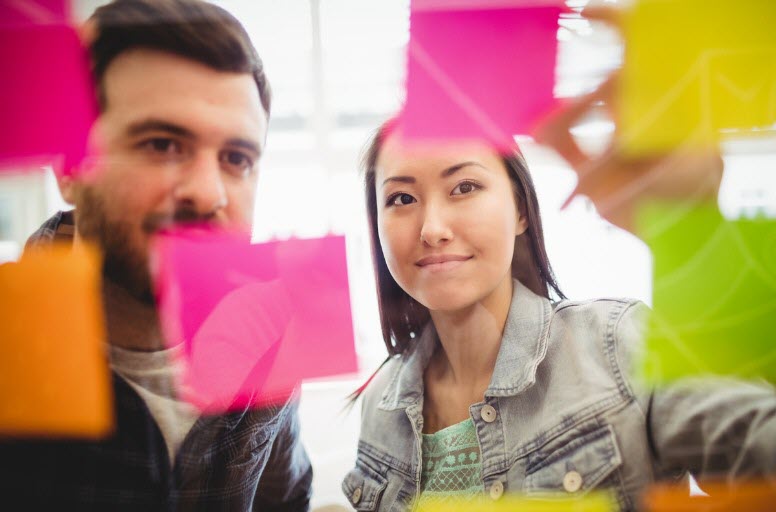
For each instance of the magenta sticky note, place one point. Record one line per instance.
(484, 72)
(46, 97)
(35, 12)
(255, 319)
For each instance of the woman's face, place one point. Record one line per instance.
(447, 222)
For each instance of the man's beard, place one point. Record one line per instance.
(125, 264)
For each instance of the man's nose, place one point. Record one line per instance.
(436, 229)
(201, 186)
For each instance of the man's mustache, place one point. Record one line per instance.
(181, 217)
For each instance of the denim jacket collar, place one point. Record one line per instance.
(523, 347)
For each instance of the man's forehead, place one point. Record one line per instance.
(141, 84)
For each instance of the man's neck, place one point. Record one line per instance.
(131, 323)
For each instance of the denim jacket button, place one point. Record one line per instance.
(356, 497)
(572, 482)
(488, 413)
(496, 490)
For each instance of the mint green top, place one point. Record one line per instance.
(452, 465)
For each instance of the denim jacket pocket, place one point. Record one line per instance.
(364, 487)
(576, 466)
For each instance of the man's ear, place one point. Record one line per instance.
(68, 186)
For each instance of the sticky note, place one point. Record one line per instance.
(255, 319)
(46, 96)
(714, 293)
(693, 68)
(54, 376)
(722, 497)
(592, 502)
(482, 72)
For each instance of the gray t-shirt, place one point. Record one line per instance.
(153, 375)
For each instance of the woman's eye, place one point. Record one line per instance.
(400, 200)
(465, 187)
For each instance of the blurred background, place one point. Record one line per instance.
(337, 72)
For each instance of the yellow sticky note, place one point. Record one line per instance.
(693, 68)
(592, 502)
(54, 376)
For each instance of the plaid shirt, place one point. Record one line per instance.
(248, 460)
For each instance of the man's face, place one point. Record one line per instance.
(177, 142)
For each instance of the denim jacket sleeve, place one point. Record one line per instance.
(710, 426)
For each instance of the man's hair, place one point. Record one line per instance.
(192, 29)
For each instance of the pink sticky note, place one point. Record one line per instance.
(254, 319)
(484, 72)
(46, 96)
(36, 12)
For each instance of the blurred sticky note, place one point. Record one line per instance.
(693, 68)
(46, 96)
(255, 319)
(36, 12)
(722, 497)
(593, 502)
(54, 376)
(714, 294)
(479, 71)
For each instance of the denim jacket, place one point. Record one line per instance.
(561, 415)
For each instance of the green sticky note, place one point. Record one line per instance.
(714, 294)
(695, 67)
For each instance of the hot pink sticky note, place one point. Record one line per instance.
(34, 12)
(479, 70)
(255, 319)
(46, 95)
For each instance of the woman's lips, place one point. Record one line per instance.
(441, 262)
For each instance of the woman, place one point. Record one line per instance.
(491, 386)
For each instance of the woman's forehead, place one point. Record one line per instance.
(399, 156)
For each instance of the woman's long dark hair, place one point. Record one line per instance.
(401, 316)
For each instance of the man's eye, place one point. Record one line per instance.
(162, 145)
(400, 199)
(237, 162)
(465, 187)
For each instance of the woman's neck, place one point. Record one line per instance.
(470, 340)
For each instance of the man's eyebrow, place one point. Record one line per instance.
(156, 125)
(245, 144)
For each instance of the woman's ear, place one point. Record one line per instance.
(522, 225)
(522, 219)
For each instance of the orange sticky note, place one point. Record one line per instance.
(751, 496)
(54, 376)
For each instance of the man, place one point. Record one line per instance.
(184, 105)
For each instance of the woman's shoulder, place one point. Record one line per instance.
(612, 327)
(610, 313)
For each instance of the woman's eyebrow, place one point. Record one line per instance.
(457, 167)
(400, 179)
(445, 173)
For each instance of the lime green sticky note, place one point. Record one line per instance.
(693, 68)
(714, 294)
(592, 502)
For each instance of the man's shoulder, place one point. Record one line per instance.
(60, 227)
